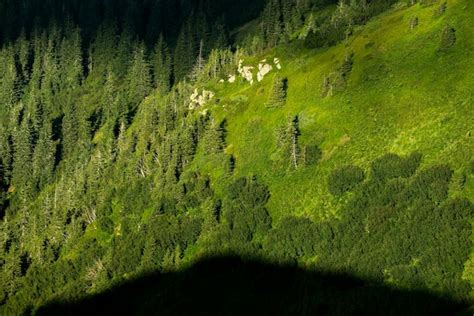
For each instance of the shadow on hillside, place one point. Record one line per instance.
(230, 286)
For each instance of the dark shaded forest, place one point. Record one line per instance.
(231, 286)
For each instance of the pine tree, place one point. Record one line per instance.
(6, 152)
(184, 54)
(161, 63)
(70, 133)
(201, 33)
(103, 47)
(124, 54)
(271, 25)
(44, 156)
(220, 35)
(70, 61)
(139, 77)
(278, 92)
(50, 82)
(110, 99)
(214, 138)
(22, 167)
(23, 51)
(9, 92)
(288, 142)
(199, 64)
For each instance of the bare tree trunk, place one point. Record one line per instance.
(294, 148)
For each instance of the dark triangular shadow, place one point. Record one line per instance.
(232, 286)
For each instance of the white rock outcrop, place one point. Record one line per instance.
(263, 70)
(246, 71)
(276, 61)
(199, 99)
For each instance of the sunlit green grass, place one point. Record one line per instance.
(403, 95)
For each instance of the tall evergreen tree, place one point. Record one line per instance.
(184, 54)
(70, 61)
(161, 63)
(22, 167)
(70, 133)
(278, 92)
(139, 77)
(44, 156)
(9, 92)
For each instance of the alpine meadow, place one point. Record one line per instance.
(224, 157)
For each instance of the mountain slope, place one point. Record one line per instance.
(355, 158)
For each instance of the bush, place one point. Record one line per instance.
(391, 166)
(431, 184)
(337, 80)
(448, 38)
(311, 154)
(345, 179)
(106, 224)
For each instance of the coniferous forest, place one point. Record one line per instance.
(295, 157)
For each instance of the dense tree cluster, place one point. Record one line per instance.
(409, 233)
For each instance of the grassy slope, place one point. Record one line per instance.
(403, 95)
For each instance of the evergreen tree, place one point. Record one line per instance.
(9, 90)
(50, 82)
(220, 34)
(23, 51)
(214, 138)
(272, 24)
(124, 53)
(139, 77)
(44, 157)
(288, 143)
(184, 54)
(161, 63)
(278, 92)
(110, 103)
(70, 61)
(22, 167)
(70, 133)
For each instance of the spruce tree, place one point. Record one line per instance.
(161, 63)
(278, 92)
(23, 51)
(271, 24)
(139, 77)
(70, 133)
(220, 36)
(70, 61)
(9, 90)
(50, 82)
(44, 156)
(289, 148)
(214, 138)
(22, 167)
(184, 54)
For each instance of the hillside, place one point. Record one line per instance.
(351, 155)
